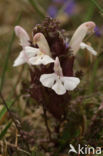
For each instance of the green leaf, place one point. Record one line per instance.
(4, 131)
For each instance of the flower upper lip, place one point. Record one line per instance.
(42, 43)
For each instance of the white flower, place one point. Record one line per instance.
(79, 35)
(57, 81)
(30, 55)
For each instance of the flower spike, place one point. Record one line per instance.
(57, 81)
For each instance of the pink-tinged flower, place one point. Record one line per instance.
(31, 55)
(79, 35)
(57, 81)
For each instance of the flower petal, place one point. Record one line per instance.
(47, 80)
(45, 59)
(70, 83)
(89, 48)
(41, 59)
(31, 52)
(59, 88)
(23, 36)
(35, 60)
(20, 59)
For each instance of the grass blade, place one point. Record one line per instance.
(38, 9)
(90, 12)
(4, 110)
(97, 5)
(2, 134)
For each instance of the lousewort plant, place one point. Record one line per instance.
(54, 87)
(51, 59)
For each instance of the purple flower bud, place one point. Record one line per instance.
(52, 11)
